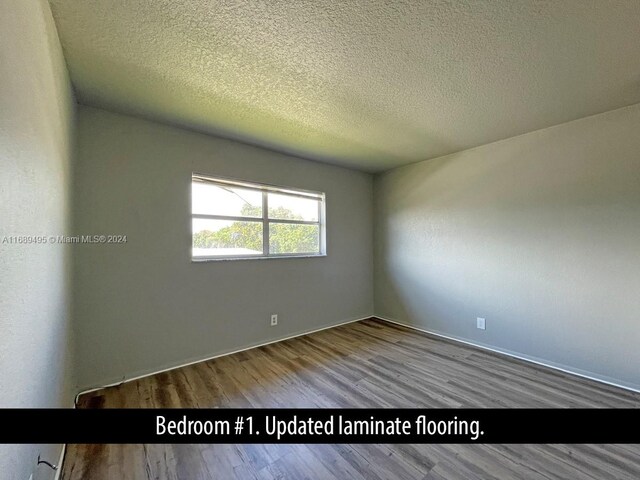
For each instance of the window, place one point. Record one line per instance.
(233, 219)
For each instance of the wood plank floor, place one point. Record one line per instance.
(365, 364)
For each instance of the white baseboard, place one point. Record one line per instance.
(211, 357)
(519, 356)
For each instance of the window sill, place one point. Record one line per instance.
(270, 257)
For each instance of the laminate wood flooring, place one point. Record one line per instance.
(370, 363)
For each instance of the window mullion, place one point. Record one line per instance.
(265, 223)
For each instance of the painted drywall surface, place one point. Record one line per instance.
(144, 305)
(36, 116)
(539, 234)
(372, 84)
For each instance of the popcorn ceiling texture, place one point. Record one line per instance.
(366, 84)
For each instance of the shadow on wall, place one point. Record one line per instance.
(536, 234)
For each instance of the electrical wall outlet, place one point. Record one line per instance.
(274, 320)
(481, 324)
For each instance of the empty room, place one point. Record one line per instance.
(386, 239)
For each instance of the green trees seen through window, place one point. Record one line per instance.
(283, 237)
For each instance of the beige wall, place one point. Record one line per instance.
(35, 128)
(144, 305)
(539, 234)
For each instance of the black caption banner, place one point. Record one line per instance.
(320, 426)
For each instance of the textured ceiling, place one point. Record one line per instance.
(368, 84)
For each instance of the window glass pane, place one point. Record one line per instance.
(226, 238)
(210, 199)
(287, 207)
(293, 238)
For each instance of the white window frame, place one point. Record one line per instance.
(265, 189)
